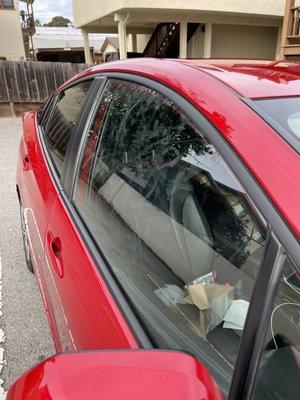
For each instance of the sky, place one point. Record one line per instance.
(44, 10)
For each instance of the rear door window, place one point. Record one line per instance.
(173, 223)
(62, 120)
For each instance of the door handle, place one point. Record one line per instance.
(54, 246)
(26, 163)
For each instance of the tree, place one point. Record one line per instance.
(59, 21)
(38, 22)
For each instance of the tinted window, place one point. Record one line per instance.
(173, 223)
(279, 370)
(63, 117)
(43, 113)
(286, 112)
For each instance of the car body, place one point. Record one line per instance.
(170, 171)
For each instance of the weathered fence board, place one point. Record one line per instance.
(33, 81)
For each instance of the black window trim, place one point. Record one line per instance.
(260, 309)
(263, 205)
(285, 236)
(61, 182)
(242, 369)
(50, 106)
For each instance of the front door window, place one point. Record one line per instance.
(173, 223)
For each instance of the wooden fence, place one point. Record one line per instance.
(33, 81)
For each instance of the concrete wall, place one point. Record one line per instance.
(11, 40)
(238, 41)
(91, 10)
(141, 42)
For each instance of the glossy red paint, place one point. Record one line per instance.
(274, 164)
(73, 291)
(37, 194)
(74, 299)
(118, 375)
(86, 314)
(256, 80)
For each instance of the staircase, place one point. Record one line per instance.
(290, 40)
(164, 41)
(28, 28)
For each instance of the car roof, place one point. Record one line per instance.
(253, 79)
(272, 161)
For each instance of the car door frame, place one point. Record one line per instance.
(280, 238)
(62, 183)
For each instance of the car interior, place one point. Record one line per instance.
(168, 222)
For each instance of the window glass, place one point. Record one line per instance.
(285, 111)
(6, 4)
(173, 223)
(278, 375)
(62, 120)
(43, 113)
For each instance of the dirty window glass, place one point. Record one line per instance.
(278, 375)
(62, 121)
(173, 223)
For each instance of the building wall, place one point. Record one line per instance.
(11, 39)
(141, 42)
(240, 41)
(91, 10)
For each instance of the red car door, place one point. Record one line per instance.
(85, 313)
(37, 193)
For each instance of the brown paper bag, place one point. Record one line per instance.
(213, 301)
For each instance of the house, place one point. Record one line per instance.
(11, 39)
(110, 45)
(66, 45)
(176, 28)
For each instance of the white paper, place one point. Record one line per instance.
(218, 310)
(230, 325)
(236, 315)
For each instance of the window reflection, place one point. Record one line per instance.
(165, 211)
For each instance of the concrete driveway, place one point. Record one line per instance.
(24, 333)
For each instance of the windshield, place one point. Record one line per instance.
(285, 111)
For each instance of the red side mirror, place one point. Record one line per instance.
(117, 375)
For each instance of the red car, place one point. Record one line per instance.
(160, 208)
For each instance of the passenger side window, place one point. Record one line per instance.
(278, 374)
(59, 125)
(175, 226)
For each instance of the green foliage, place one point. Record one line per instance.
(59, 21)
(149, 131)
(37, 22)
(145, 134)
(2, 58)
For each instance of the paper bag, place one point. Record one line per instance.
(213, 301)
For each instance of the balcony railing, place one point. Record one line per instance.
(290, 42)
